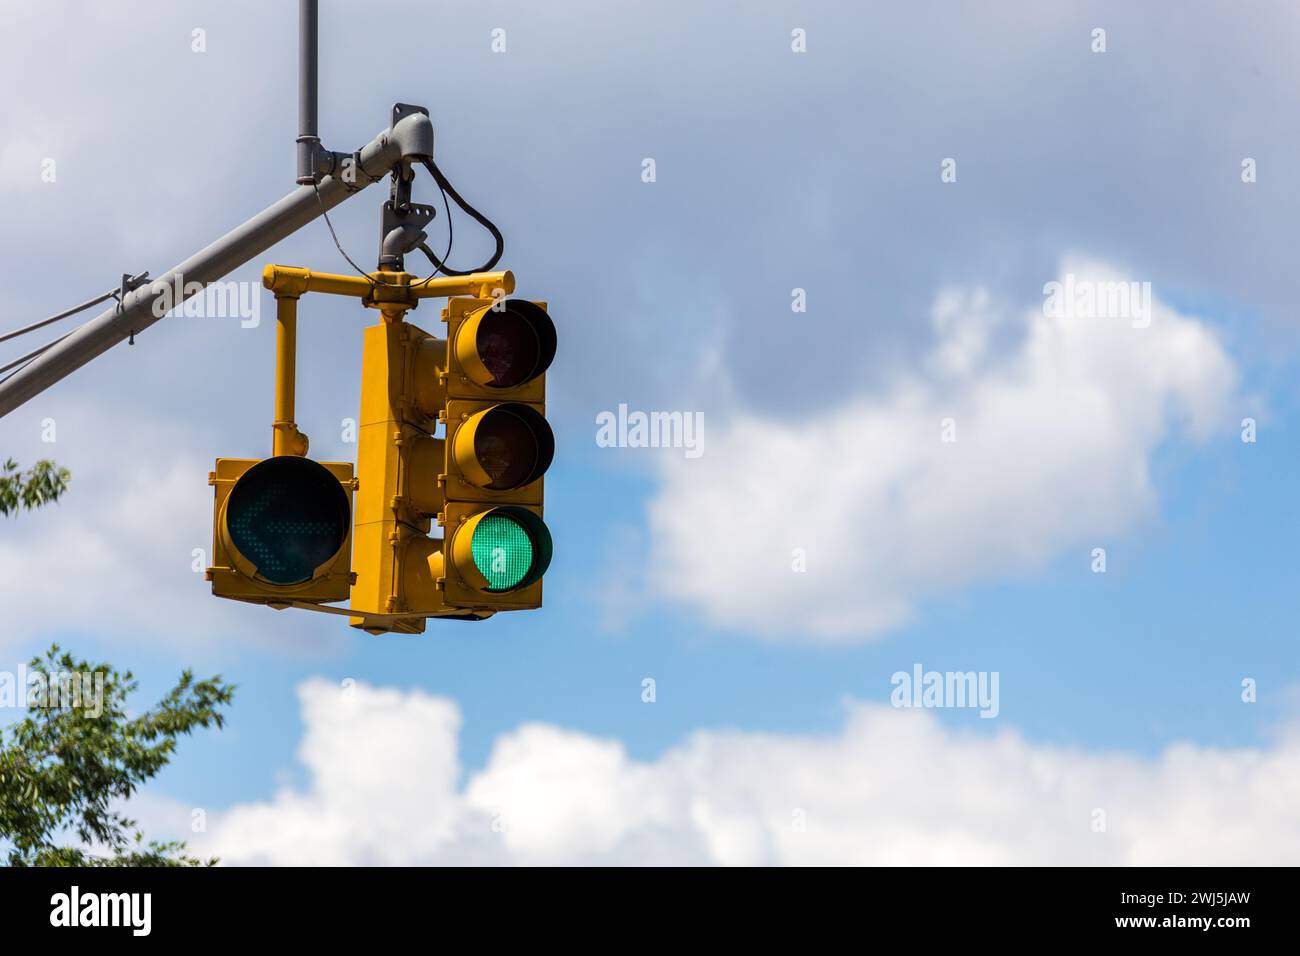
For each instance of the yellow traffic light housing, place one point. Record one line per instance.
(481, 481)
(452, 438)
(499, 346)
(399, 462)
(282, 526)
(498, 556)
(498, 441)
(282, 530)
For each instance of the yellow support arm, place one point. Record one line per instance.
(286, 439)
(385, 288)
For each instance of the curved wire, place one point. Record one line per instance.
(445, 188)
(483, 220)
(19, 364)
(63, 315)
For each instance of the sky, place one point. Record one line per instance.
(908, 458)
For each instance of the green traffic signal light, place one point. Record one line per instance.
(510, 548)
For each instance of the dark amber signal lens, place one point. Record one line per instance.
(515, 343)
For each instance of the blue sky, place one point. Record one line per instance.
(1150, 654)
(775, 171)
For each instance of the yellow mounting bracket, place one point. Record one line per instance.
(391, 292)
(286, 439)
(380, 289)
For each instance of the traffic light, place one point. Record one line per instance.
(282, 530)
(498, 447)
(480, 480)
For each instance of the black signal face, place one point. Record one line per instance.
(513, 445)
(288, 516)
(515, 343)
(506, 448)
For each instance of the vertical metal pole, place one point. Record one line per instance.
(308, 133)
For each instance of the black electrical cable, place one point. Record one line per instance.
(373, 281)
(423, 247)
(365, 275)
(483, 220)
(440, 265)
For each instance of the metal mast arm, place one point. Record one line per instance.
(410, 138)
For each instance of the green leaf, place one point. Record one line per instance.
(43, 483)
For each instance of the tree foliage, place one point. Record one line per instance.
(43, 482)
(63, 770)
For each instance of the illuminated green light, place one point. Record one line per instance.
(503, 551)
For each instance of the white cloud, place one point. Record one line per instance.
(383, 764)
(1053, 438)
(892, 786)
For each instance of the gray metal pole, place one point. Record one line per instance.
(410, 138)
(308, 133)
